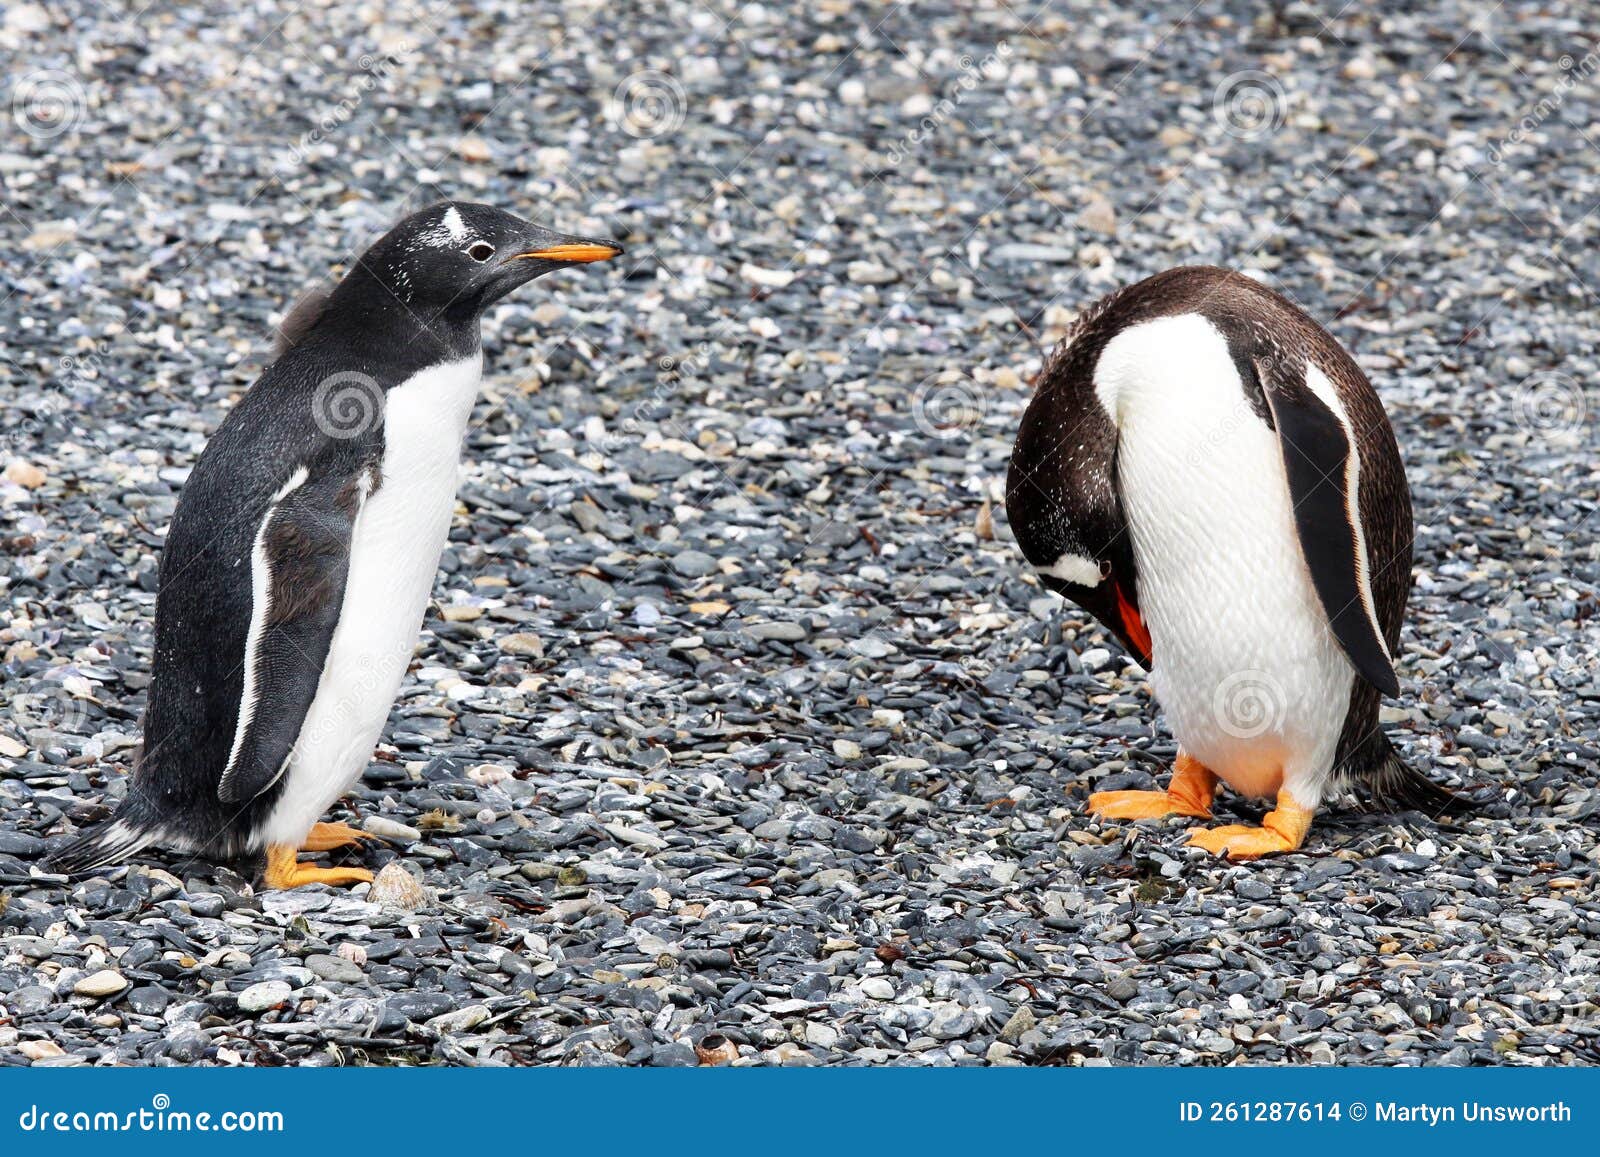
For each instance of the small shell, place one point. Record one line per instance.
(716, 1049)
(396, 887)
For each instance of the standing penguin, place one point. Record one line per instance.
(303, 550)
(1210, 475)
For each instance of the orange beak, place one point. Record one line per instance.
(575, 253)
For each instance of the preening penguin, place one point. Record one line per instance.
(1206, 471)
(304, 546)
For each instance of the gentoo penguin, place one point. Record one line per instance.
(1210, 475)
(304, 546)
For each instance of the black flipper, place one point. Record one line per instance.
(1318, 452)
(305, 539)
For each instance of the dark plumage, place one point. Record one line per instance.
(302, 316)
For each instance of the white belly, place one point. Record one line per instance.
(394, 556)
(1253, 682)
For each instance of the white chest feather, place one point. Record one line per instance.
(1252, 680)
(394, 556)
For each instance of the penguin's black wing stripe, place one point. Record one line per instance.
(1321, 461)
(304, 542)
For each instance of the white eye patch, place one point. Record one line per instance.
(450, 231)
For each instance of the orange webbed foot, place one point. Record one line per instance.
(1190, 793)
(1283, 829)
(1139, 805)
(284, 870)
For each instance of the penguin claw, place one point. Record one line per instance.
(326, 837)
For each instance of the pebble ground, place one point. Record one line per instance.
(738, 733)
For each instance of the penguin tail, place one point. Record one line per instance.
(1392, 785)
(124, 835)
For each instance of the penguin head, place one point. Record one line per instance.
(456, 258)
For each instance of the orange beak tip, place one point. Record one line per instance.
(577, 253)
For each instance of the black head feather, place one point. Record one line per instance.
(301, 317)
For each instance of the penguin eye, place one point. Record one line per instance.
(480, 251)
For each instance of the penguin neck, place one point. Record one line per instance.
(366, 319)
